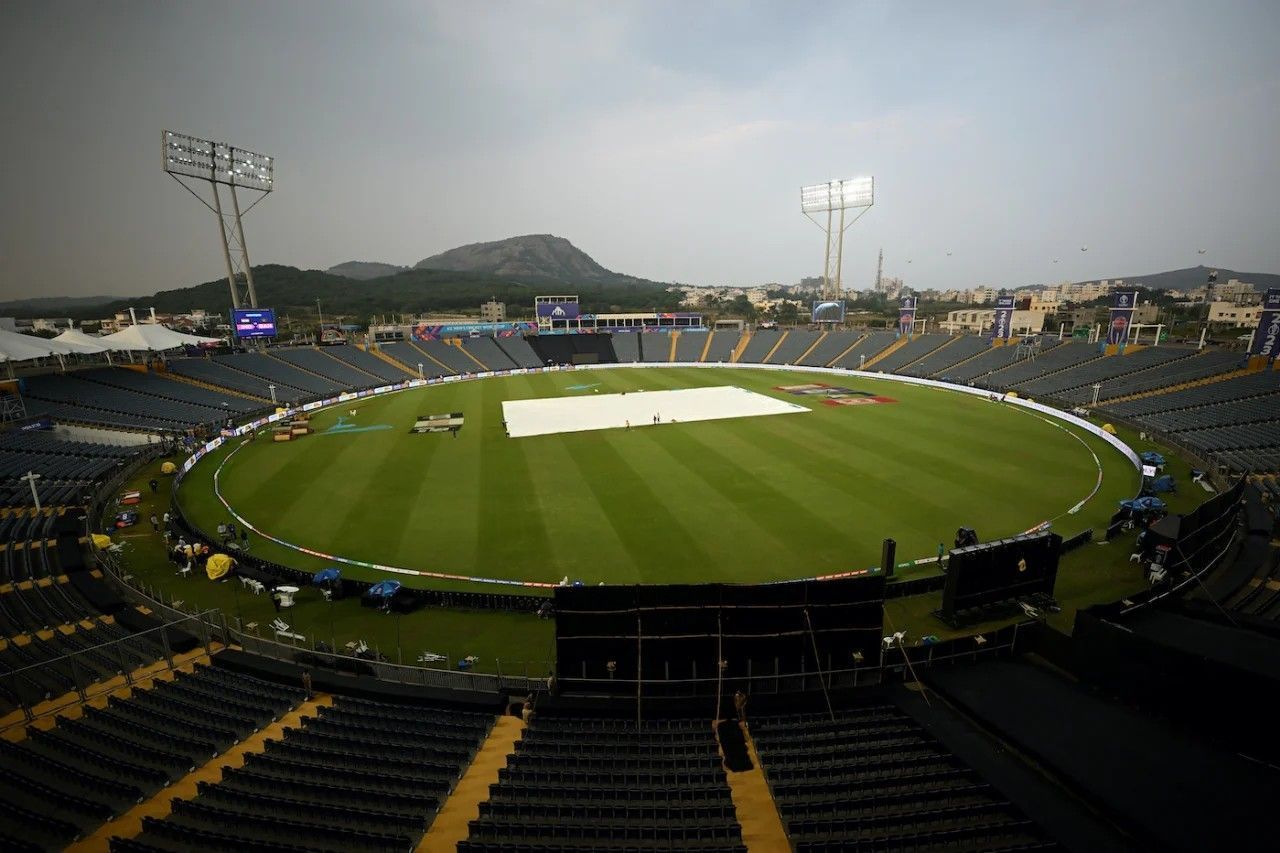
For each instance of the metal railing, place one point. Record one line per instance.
(99, 669)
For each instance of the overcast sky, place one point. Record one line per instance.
(666, 140)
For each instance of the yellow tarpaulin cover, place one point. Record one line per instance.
(1011, 393)
(101, 541)
(168, 468)
(1109, 428)
(218, 565)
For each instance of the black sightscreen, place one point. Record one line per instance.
(681, 632)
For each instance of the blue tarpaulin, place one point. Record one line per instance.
(1146, 504)
(383, 589)
(1163, 484)
(1151, 457)
(325, 576)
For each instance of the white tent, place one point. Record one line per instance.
(150, 337)
(79, 342)
(18, 347)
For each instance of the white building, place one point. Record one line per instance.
(982, 319)
(1232, 314)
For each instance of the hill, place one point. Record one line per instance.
(537, 256)
(1191, 278)
(45, 306)
(413, 291)
(364, 270)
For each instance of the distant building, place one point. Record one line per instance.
(980, 320)
(493, 312)
(1228, 313)
(1236, 292)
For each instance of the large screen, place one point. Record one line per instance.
(827, 312)
(254, 322)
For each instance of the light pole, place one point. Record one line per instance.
(320, 323)
(31, 477)
(421, 375)
(272, 389)
(1097, 387)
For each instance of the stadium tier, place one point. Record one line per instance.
(359, 775)
(689, 346)
(318, 362)
(759, 346)
(626, 347)
(721, 347)
(589, 784)
(867, 347)
(874, 777)
(281, 367)
(450, 355)
(368, 363)
(519, 351)
(918, 347)
(409, 355)
(794, 344)
(1074, 384)
(951, 353)
(1047, 363)
(655, 346)
(830, 345)
(487, 352)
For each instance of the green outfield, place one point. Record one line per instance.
(744, 500)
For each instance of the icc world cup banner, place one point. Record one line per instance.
(1122, 306)
(1002, 327)
(1266, 341)
(906, 315)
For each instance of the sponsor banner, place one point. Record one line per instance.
(834, 395)
(906, 315)
(434, 332)
(1122, 306)
(1002, 327)
(558, 310)
(827, 312)
(1266, 340)
(869, 400)
(38, 423)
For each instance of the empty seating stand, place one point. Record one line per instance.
(874, 779)
(600, 785)
(937, 362)
(486, 350)
(868, 347)
(690, 345)
(367, 363)
(1074, 384)
(830, 347)
(410, 356)
(655, 346)
(341, 375)
(274, 371)
(627, 346)
(794, 345)
(80, 399)
(918, 347)
(519, 351)
(63, 782)
(723, 342)
(761, 343)
(361, 776)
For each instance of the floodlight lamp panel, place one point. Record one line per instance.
(842, 194)
(218, 162)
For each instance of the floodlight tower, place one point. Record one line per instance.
(833, 198)
(222, 165)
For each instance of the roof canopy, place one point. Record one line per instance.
(78, 341)
(151, 337)
(18, 347)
